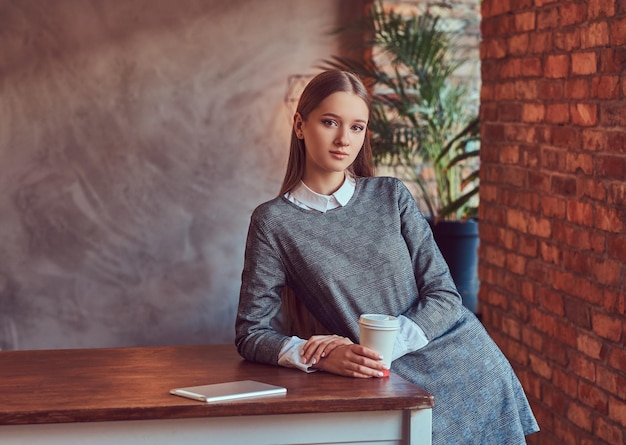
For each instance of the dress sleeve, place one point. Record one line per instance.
(256, 335)
(438, 306)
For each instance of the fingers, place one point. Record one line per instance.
(348, 360)
(319, 346)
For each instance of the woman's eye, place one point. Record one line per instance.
(357, 128)
(329, 123)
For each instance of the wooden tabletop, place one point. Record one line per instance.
(91, 385)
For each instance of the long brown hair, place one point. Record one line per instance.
(297, 320)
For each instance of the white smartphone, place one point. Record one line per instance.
(221, 392)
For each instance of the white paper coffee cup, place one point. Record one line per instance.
(378, 332)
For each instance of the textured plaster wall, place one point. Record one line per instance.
(136, 137)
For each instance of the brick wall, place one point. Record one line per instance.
(553, 208)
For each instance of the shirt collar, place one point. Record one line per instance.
(322, 203)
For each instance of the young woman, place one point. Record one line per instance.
(347, 243)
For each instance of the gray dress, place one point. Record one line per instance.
(377, 255)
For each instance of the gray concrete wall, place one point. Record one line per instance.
(136, 137)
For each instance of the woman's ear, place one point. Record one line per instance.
(297, 125)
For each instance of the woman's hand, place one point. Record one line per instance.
(353, 361)
(319, 346)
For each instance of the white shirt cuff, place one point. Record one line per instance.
(410, 338)
(290, 357)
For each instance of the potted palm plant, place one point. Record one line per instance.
(423, 129)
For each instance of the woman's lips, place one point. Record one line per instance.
(339, 154)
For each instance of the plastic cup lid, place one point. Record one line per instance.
(379, 321)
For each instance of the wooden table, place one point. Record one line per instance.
(121, 396)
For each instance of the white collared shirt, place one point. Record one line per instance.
(410, 336)
(306, 198)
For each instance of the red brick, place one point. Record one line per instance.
(617, 358)
(612, 114)
(493, 256)
(612, 299)
(552, 206)
(532, 338)
(493, 49)
(525, 90)
(612, 167)
(566, 432)
(517, 44)
(557, 113)
(567, 40)
(505, 91)
(616, 141)
(616, 193)
(593, 397)
(525, 21)
(616, 247)
(552, 301)
(576, 262)
(572, 13)
(566, 382)
(540, 366)
(516, 263)
(491, 9)
(508, 112)
(550, 89)
(493, 132)
(607, 379)
(607, 326)
(580, 213)
(528, 246)
(607, 272)
(590, 187)
(594, 140)
(540, 42)
(563, 185)
(612, 60)
(609, 432)
(509, 154)
(519, 309)
(540, 227)
(584, 63)
(578, 88)
(557, 66)
(539, 181)
(610, 219)
(584, 114)
(517, 220)
(532, 67)
(530, 156)
(487, 94)
(547, 18)
(618, 32)
(576, 286)
(579, 163)
(580, 416)
(579, 313)
(510, 68)
(567, 137)
(582, 367)
(594, 35)
(617, 411)
(600, 8)
(490, 70)
(511, 327)
(605, 87)
(589, 345)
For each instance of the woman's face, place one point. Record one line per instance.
(333, 133)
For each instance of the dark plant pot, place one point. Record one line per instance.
(458, 242)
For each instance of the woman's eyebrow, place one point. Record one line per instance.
(336, 116)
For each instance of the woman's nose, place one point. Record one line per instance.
(343, 138)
